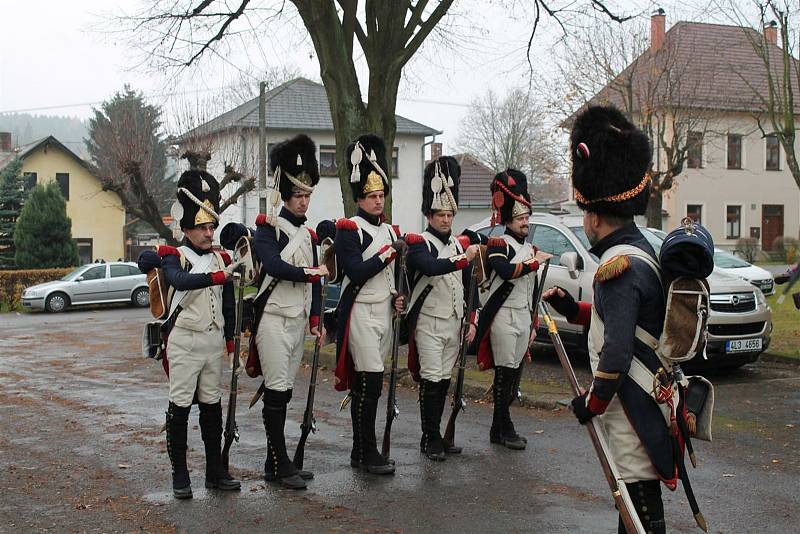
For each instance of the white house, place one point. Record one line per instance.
(301, 106)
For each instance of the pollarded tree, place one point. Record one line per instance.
(387, 34)
(12, 197)
(43, 234)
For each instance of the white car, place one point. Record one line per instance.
(730, 264)
(94, 283)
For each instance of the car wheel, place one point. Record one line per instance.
(141, 297)
(56, 302)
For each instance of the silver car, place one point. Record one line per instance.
(740, 323)
(95, 283)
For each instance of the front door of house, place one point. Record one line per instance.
(771, 224)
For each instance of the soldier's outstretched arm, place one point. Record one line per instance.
(348, 253)
(421, 259)
(269, 252)
(498, 259)
(617, 301)
(182, 280)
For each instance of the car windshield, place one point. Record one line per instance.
(726, 260)
(652, 238)
(72, 274)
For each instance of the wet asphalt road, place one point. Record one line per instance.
(81, 451)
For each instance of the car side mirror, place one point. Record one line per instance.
(79, 279)
(572, 262)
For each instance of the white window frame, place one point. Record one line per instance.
(742, 226)
(781, 164)
(703, 211)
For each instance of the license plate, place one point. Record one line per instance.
(743, 345)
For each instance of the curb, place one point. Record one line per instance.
(779, 358)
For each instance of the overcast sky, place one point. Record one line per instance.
(59, 58)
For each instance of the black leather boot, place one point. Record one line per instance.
(365, 453)
(430, 416)
(502, 430)
(646, 497)
(281, 467)
(509, 427)
(269, 473)
(444, 389)
(217, 477)
(177, 423)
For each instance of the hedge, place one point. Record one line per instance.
(12, 283)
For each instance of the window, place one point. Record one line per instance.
(95, 273)
(123, 270)
(694, 150)
(63, 183)
(29, 180)
(327, 160)
(393, 165)
(733, 222)
(84, 249)
(695, 212)
(552, 241)
(262, 205)
(734, 151)
(773, 153)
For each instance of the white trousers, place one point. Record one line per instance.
(511, 330)
(370, 338)
(195, 364)
(437, 346)
(280, 349)
(628, 452)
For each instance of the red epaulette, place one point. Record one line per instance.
(464, 241)
(414, 239)
(346, 224)
(166, 250)
(396, 228)
(226, 258)
(496, 242)
(261, 219)
(314, 238)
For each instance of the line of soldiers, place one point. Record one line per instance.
(610, 159)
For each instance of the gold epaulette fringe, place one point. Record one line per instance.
(613, 268)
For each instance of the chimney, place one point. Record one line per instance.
(658, 24)
(436, 150)
(771, 32)
(5, 141)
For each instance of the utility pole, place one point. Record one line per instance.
(262, 144)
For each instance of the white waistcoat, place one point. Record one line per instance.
(290, 299)
(521, 296)
(381, 286)
(447, 295)
(202, 308)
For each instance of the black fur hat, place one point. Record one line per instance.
(448, 180)
(367, 178)
(297, 159)
(205, 190)
(610, 162)
(510, 196)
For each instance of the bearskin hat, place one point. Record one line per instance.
(297, 160)
(610, 162)
(510, 196)
(197, 188)
(440, 185)
(232, 232)
(366, 164)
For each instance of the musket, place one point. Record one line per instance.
(619, 491)
(231, 429)
(459, 403)
(537, 297)
(391, 399)
(309, 424)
